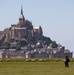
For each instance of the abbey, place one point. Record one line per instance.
(22, 29)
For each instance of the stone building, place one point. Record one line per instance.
(22, 29)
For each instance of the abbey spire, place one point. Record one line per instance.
(21, 18)
(21, 10)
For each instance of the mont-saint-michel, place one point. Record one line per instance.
(23, 40)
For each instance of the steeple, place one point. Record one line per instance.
(21, 18)
(21, 10)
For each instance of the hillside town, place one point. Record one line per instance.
(23, 40)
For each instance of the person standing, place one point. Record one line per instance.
(67, 60)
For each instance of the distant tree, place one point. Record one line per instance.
(54, 45)
(18, 48)
(6, 45)
(47, 39)
(11, 40)
(23, 42)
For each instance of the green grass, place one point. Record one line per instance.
(21, 67)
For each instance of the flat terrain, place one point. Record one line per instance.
(35, 68)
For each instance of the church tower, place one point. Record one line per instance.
(21, 18)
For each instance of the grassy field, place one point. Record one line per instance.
(21, 67)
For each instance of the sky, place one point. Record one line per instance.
(56, 17)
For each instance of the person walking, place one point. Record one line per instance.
(67, 60)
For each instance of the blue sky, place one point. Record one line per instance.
(55, 16)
